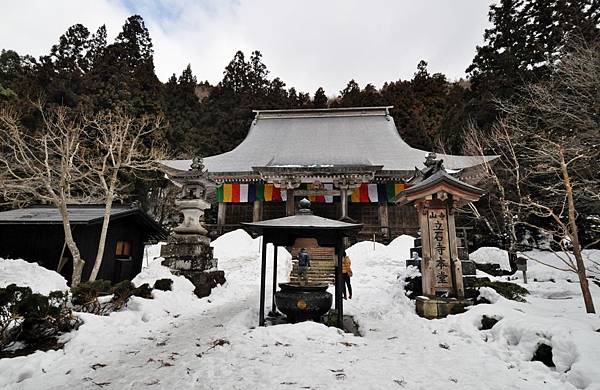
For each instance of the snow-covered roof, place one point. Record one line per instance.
(78, 215)
(323, 137)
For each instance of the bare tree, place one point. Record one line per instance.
(122, 144)
(553, 137)
(74, 159)
(505, 175)
(45, 166)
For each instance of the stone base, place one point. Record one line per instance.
(204, 281)
(191, 256)
(190, 252)
(435, 307)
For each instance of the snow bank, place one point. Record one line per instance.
(23, 273)
(491, 255)
(179, 341)
(540, 263)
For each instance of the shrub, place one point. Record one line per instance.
(143, 291)
(86, 295)
(33, 318)
(164, 284)
(508, 290)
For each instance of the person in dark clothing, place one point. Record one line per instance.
(346, 275)
(303, 264)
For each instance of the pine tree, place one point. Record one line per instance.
(320, 99)
(526, 38)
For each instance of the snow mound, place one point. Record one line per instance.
(401, 246)
(235, 244)
(491, 255)
(25, 274)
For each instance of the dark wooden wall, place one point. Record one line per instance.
(43, 244)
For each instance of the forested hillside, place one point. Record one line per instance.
(85, 72)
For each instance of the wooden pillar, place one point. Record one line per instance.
(290, 207)
(384, 219)
(426, 262)
(221, 212)
(263, 269)
(344, 202)
(273, 303)
(456, 266)
(257, 211)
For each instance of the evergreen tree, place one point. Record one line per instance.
(320, 99)
(526, 38)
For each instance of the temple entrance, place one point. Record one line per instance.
(322, 259)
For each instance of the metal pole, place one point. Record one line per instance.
(525, 277)
(273, 304)
(373, 241)
(339, 305)
(263, 269)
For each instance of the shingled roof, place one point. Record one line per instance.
(323, 138)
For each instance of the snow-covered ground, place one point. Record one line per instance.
(176, 341)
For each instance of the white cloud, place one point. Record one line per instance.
(307, 43)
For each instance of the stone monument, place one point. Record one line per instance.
(188, 252)
(436, 195)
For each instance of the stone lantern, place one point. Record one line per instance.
(436, 195)
(188, 252)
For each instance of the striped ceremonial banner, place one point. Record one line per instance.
(328, 187)
(366, 193)
(372, 192)
(243, 193)
(227, 193)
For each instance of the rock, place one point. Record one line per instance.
(543, 354)
(488, 323)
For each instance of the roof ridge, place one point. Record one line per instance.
(323, 112)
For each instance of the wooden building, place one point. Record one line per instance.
(350, 162)
(36, 234)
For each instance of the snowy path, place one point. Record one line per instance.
(176, 341)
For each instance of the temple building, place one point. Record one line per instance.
(350, 162)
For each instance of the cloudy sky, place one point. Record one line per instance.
(308, 43)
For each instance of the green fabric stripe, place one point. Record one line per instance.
(391, 191)
(220, 194)
(260, 191)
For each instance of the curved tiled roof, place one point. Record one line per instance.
(324, 138)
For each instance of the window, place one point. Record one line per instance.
(123, 249)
